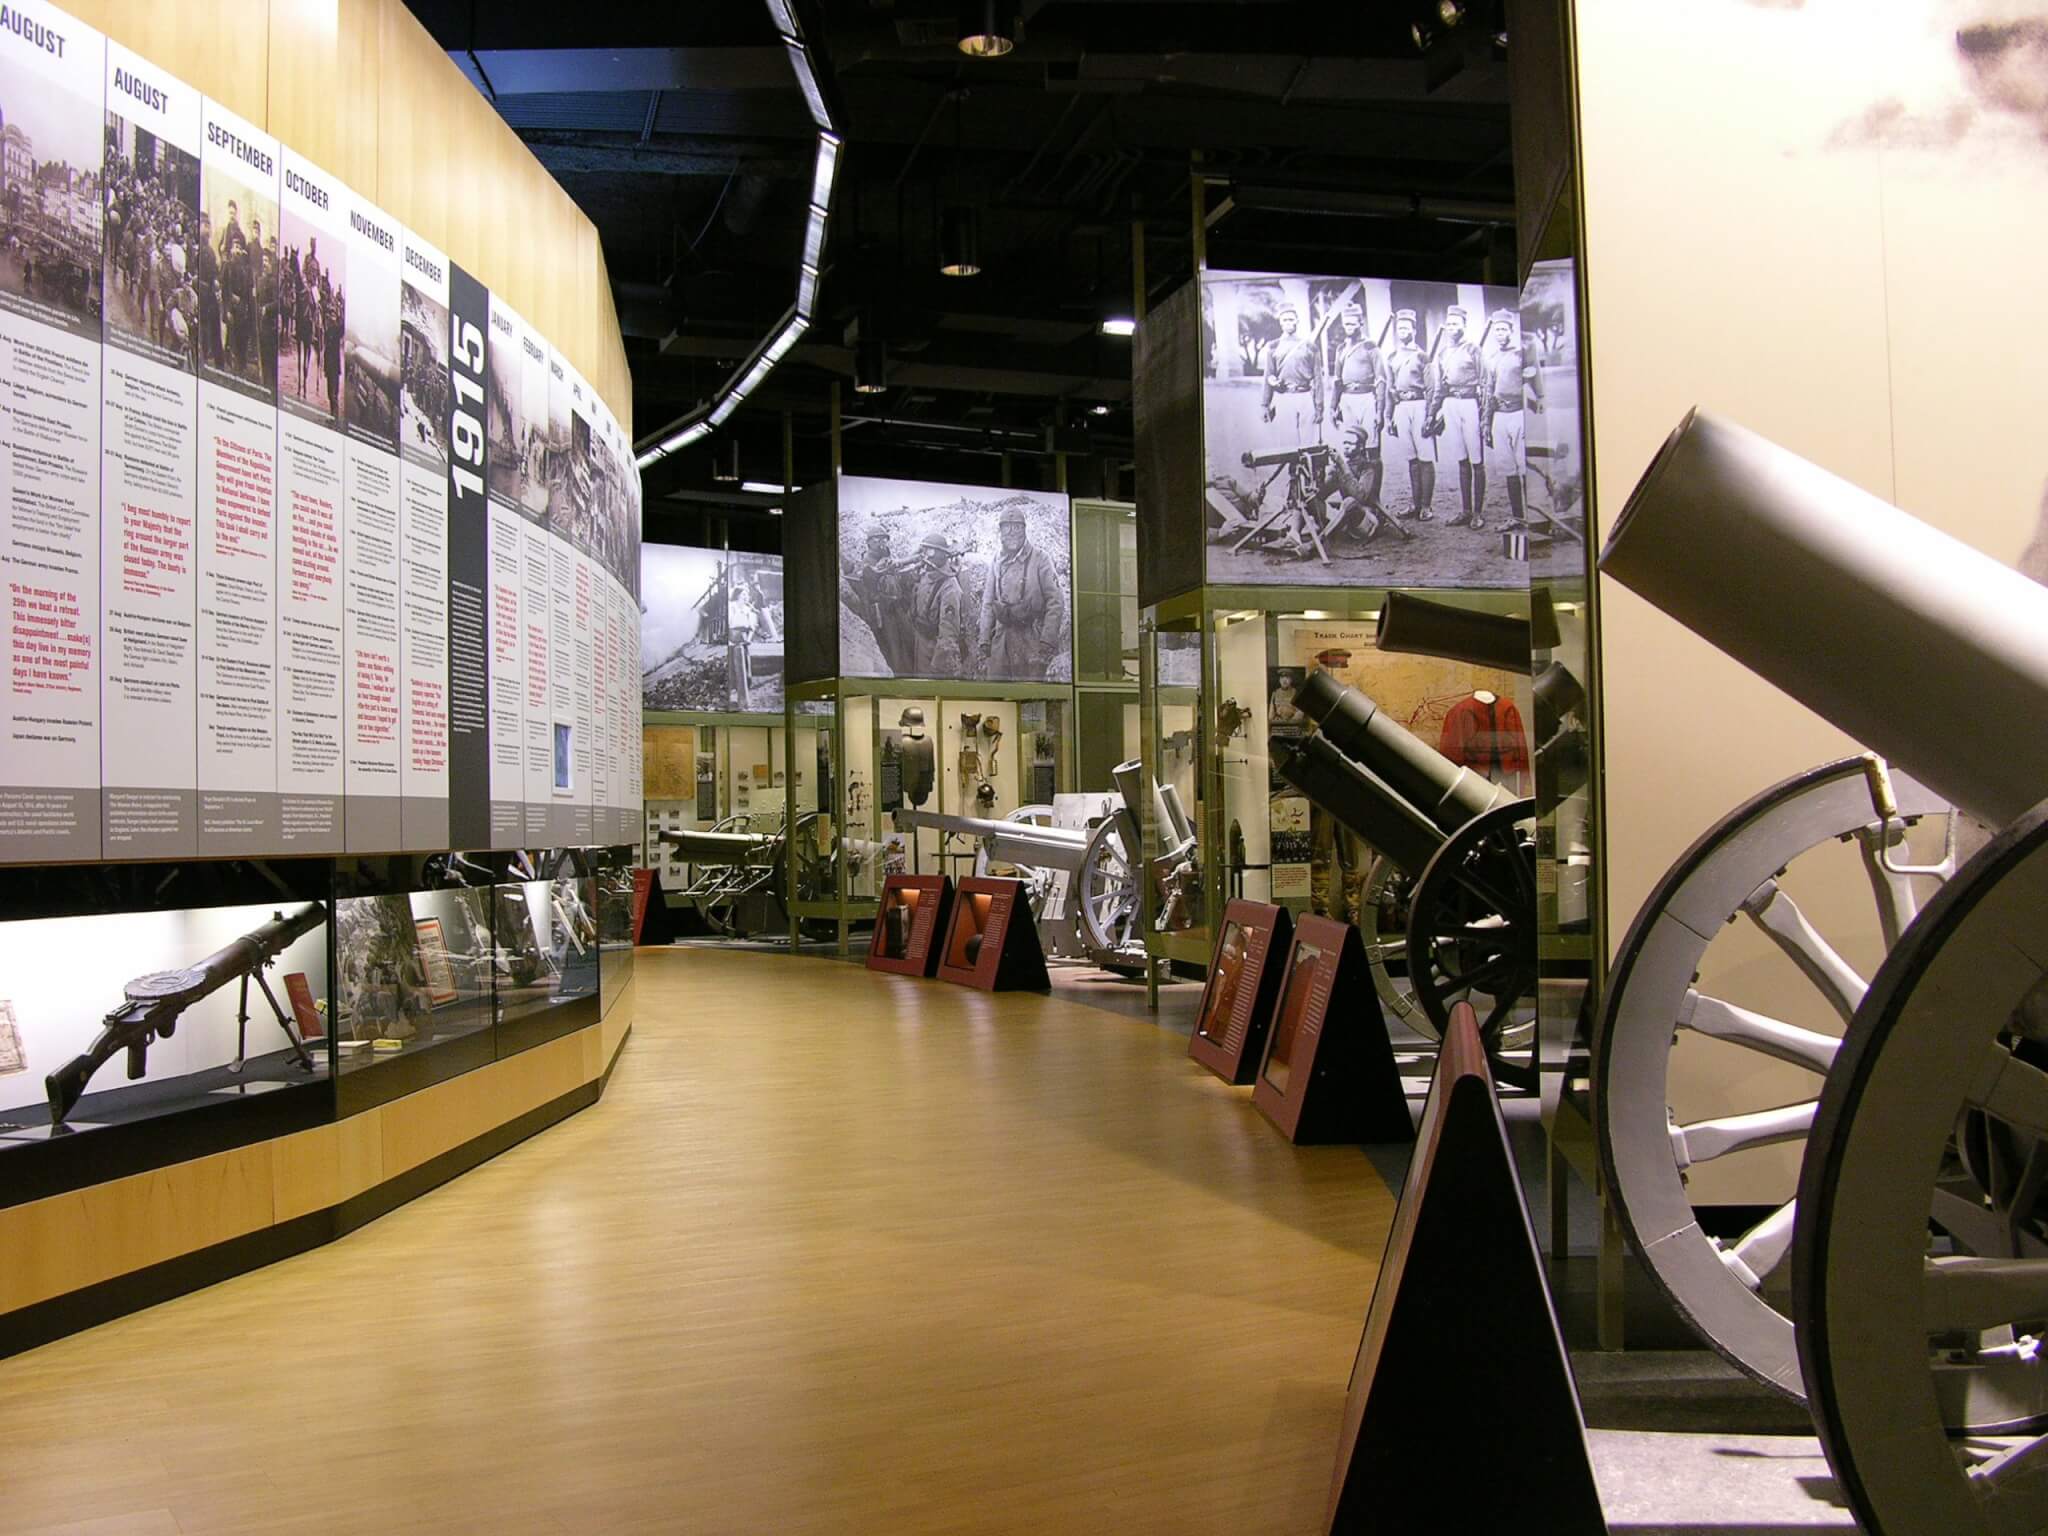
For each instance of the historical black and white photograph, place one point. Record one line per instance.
(423, 375)
(1363, 431)
(313, 320)
(369, 367)
(50, 208)
(235, 273)
(506, 413)
(151, 188)
(954, 581)
(711, 630)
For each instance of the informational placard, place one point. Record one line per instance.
(911, 916)
(149, 490)
(307, 542)
(238, 519)
(372, 695)
(991, 942)
(1237, 1004)
(423, 414)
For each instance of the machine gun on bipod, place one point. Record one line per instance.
(1467, 844)
(154, 1003)
(1918, 1241)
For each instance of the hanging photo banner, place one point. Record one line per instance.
(424, 404)
(239, 542)
(478, 694)
(52, 92)
(372, 713)
(149, 462)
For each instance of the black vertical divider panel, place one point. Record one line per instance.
(469, 720)
(1167, 416)
(810, 554)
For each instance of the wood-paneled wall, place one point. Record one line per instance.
(360, 89)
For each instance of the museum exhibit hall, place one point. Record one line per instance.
(1070, 766)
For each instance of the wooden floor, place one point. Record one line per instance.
(837, 1252)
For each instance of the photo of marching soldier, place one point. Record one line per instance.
(423, 376)
(711, 631)
(50, 209)
(152, 229)
(949, 581)
(1361, 432)
(312, 322)
(234, 272)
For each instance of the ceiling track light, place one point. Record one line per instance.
(959, 242)
(988, 28)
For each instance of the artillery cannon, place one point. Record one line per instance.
(1918, 1241)
(738, 877)
(1097, 868)
(1467, 843)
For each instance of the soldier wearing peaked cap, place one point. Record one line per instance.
(1510, 388)
(1454, 414)
(1407, 367)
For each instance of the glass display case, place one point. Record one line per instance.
(1222, 668)
(270, 996)
(988, 751)
(1105, 639)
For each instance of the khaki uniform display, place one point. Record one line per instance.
(941, 634)
(1338, 863)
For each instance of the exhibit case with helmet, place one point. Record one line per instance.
(932, 676)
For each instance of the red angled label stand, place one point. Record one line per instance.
(991, 942)
(1461, 1331)
(643, 888)
(1244, 979)
(911, 918)
(1329, 1072)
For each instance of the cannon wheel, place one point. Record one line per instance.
(1730, 874)
(1107, 891)
(1472, 928)
(1397, 997)
(1899, 1334)
(1038, 881)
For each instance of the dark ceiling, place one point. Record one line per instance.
(1328, 143)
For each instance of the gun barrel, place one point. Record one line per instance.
(1447, 794)
(131, 1026)
(1907, 639)
(715, 847)
(1415, 626)
(1282, 456)
(1361, 800)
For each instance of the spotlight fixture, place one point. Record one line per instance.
(1119, 325)
(959, 242)
(762, 487)
(870, 362)
(1450, 12)
(1098, 410)
(1421, 36)
(988, 28)
(725, 465)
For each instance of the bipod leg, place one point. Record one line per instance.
(284, 1020)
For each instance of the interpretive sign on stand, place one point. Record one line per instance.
(991, 941)
(1462, 1331)
(911, 920)
(1237, 1005)
(1329, 1073)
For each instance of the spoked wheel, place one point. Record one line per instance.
(1902, 1332)
(1730, 1292)
(1386, 946)
(1107, 891)
(1472, 931)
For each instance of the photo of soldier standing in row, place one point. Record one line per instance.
(1338, 414)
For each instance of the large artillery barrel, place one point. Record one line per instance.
(1011, 842)
(1361, 800)
(716, 847)
(1415, 626)
(1416, 772)
(1924, 650)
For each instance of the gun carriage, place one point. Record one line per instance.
(1468, 846)
(739, 876)
(1912, 1310)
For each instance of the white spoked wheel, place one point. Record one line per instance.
(1108, 893)
(1038, 881)
(1907, 1328)
(1733, 1292)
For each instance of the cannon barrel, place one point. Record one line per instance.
(1929, 653)
(1360, 799)
(1447, 794)
(1010, 842)
(1415, 626)
(716, 847)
